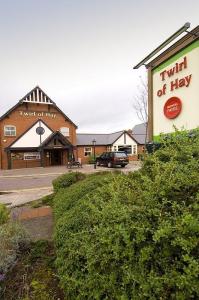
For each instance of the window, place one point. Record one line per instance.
(32, 156)
(120, 155)
(17, 155)
(87, 151)
(135, 149)
(126, 149)
(64, 131)
(9, 130)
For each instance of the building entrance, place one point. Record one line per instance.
(56, 157)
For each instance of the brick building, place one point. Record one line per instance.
(35, 132)
(140, 134)
(117, 141)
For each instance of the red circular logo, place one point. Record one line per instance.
(172, 107)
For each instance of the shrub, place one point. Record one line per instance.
(13, 238)
(64, 200)
(3, 214)
(40, 291)
(42, 285)
(48, 199)
(91, 159)
(78, 257)
(38, 250)
(136, 237)
(67, 179)
(34, 275)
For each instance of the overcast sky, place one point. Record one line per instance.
(82, 53)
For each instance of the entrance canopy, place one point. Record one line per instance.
(56, 141)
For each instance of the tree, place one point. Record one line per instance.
(140, 103)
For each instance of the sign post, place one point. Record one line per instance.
(173, 85)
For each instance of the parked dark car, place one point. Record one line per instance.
(111, 159)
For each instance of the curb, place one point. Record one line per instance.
(27, 190)
(32, 175)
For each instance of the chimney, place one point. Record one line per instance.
(130, 131)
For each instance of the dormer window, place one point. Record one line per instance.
(9, 130)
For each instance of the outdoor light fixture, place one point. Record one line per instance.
(164, 44)
(94, 143)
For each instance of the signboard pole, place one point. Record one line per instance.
(150, 105)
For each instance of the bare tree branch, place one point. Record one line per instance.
(140, 103)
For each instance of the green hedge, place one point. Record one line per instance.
(135, 237)
(67, 179)
(65, 199)
(91, 159)
(3, 214)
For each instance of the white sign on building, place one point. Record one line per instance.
(176, 92)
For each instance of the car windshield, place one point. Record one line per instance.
(120, 154)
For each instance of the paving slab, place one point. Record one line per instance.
(38, 222)
(20, 197)
(50, 171)
(40, 228)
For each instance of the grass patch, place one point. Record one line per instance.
(46, 200)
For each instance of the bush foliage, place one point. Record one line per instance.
(65, 199)
(13, 237)
(137, 236)
(3, 214)
(66, 180)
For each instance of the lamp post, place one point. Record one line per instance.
(94, 143)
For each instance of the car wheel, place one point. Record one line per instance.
(123, 166)
(97, 163)
(109, 165)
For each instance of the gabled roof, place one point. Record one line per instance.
(113, 137)
(29, 138)
(87, 138)
(101, 139)
(36, 96)
(139, 133)
(62, 139)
